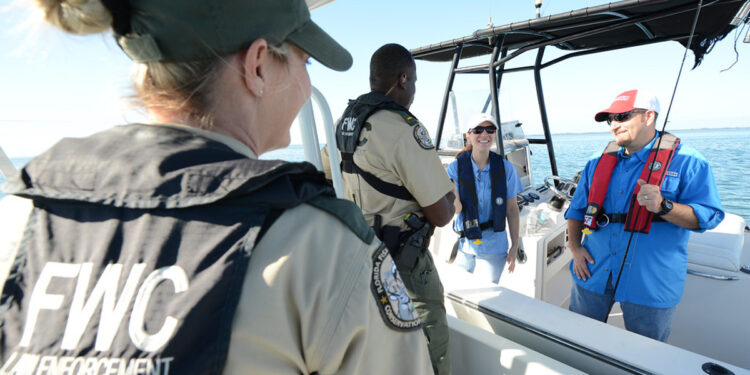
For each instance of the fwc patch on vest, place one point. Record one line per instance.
(389, 291)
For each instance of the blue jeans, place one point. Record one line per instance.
(652, 322)
(486, 266)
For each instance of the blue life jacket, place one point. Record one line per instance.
(468, 222)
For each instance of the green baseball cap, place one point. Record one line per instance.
(189, 30)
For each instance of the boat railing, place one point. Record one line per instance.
(310, 142)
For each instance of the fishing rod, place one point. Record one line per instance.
(658, 145)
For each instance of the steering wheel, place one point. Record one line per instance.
(567, 187)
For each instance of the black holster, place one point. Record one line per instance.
(406, 246)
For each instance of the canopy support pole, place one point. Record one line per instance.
(543, 110)
(446, 95)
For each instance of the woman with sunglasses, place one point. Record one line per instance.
(168, 246)
(487, 185)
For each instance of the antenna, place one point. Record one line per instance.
(538, 5)
(455, 113)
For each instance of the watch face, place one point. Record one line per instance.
(667, 204)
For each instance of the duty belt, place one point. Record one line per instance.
(405, 246)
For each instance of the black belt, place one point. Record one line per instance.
(482, 226)
(607, 219)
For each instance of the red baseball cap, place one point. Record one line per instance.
(628, 101)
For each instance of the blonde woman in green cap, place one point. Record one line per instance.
(168, 247)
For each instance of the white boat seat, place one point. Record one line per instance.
(720, 247)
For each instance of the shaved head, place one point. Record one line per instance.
(394, 73)
(387, 64)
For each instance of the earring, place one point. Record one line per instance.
(260, 92)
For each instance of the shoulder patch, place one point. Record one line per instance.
(423, 137)
(389, 291)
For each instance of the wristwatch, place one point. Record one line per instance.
(666, 207)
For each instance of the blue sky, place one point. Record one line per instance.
(54, 85)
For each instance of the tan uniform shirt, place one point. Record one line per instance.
(392, 152)
(306, 305)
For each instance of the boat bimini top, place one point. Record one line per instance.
(585, 31)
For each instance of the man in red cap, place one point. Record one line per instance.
(647, 183)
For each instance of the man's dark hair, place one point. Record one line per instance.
(387, 64)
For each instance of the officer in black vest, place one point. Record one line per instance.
(392, 172)
(168, 248)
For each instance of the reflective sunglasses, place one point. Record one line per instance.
(479, 129)
(625, 116)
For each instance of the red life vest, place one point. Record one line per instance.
(638, 217)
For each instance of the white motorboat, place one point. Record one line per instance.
(522, 325)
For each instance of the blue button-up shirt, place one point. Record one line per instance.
(492, 242)
(654, 272)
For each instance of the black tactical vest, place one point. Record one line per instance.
(136, 249)
(347, 137)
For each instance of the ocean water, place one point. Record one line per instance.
(723, 148)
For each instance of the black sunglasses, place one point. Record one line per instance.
(625, 116)
(479, 129)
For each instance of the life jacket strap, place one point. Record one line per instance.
(639, 218)
(605, 219)
(599, 185)
(482, 227)
(396, 191)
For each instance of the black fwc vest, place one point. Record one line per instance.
(347, 137)
(135, 252)
(469, 225)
